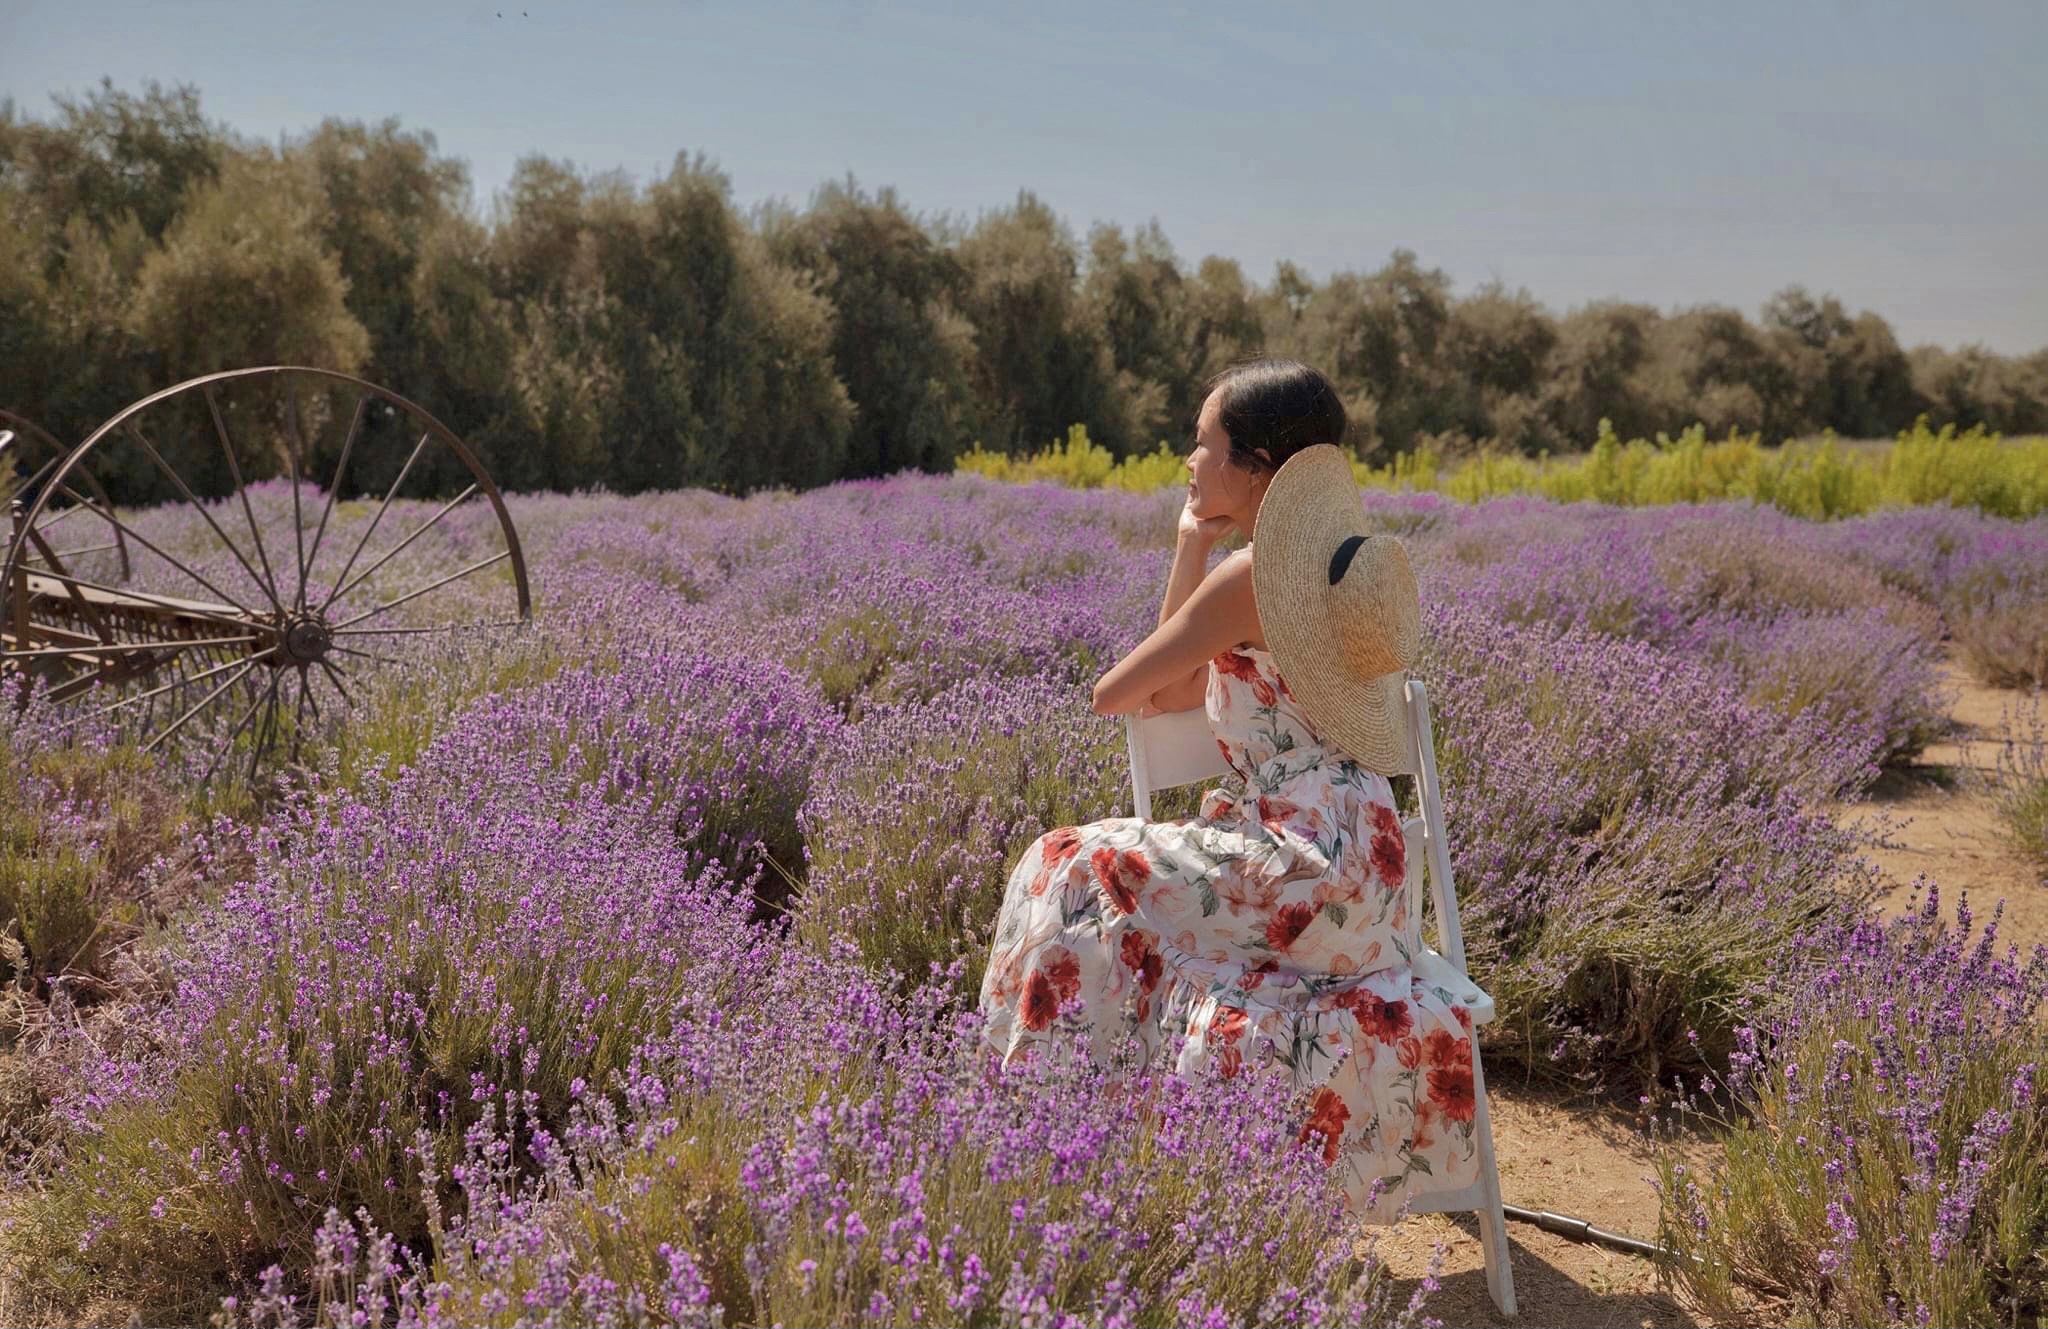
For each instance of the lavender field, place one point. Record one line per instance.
(619, 968)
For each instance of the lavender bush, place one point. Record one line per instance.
(1633, 843)
(1887, 1167)
(2020, 783)
(878, 1173)
(1987, 577)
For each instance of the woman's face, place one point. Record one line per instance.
(1217, 486)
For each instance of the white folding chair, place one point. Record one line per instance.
(1179, 748)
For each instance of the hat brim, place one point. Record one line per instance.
(1312, 505)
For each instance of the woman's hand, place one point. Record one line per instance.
(1203, 530)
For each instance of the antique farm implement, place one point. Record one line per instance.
(233, 585)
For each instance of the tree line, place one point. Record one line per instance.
(598, 332)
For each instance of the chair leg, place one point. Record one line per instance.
(1493, 1225)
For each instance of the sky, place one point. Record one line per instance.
(1894, 155)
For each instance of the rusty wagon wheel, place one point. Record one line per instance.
(28, 455)
(283, 528)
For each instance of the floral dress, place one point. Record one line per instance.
(1278, 923)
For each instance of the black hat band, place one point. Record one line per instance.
(1340, 562)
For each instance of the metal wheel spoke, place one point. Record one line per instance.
(389, 494)
(60, 554)
(197, 707)
(182, 682)
(266, 729)
(445, 627)
(348, 444)
(263, 583)
(369, 655)
(183, 610)
(79, 503)
(123, 648)
(151, 546)
(399, 548)
(480, 564)
(229, 742)
(220, 428)
(334, 677)
(299, 718)
(294, 444)
(71, 511)
(85, 605)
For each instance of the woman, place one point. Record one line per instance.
(1277, 923)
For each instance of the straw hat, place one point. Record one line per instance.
(1338, 606)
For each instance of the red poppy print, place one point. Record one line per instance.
(1426, 1113)
(1390, 858)
(1387, 1021)
(1384, 822)
(1450, 1088)
(1061, 843)
(1264, 692)
(1257, 974)
(1444, 1048)
(1239, 667)
(1141, 956)
(1121, 872)
(1409, 1050)
(1289, 922)
(1464, 1018)
(1040, 1003)
(1274, 813)
(1063, 969)
(1227, 1030)
(1327, 1115)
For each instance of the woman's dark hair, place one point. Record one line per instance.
(1280, 405)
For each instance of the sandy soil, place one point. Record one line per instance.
(1574, 1157)
(1935, 819)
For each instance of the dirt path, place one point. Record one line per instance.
(1937, 819)
(1588, 1160)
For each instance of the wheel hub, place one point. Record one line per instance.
(307, 640)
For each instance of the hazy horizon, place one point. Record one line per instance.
(1887, 155)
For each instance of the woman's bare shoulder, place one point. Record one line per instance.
(1236, 563)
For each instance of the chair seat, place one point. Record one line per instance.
(1441, 974)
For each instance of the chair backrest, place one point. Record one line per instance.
(1179, 748)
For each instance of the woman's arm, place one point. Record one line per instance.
(1190, 565)
(1193, 540)
(1218, 614)
(1184, 694)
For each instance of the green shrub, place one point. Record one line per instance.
(1079, 463)
(1816, 479)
